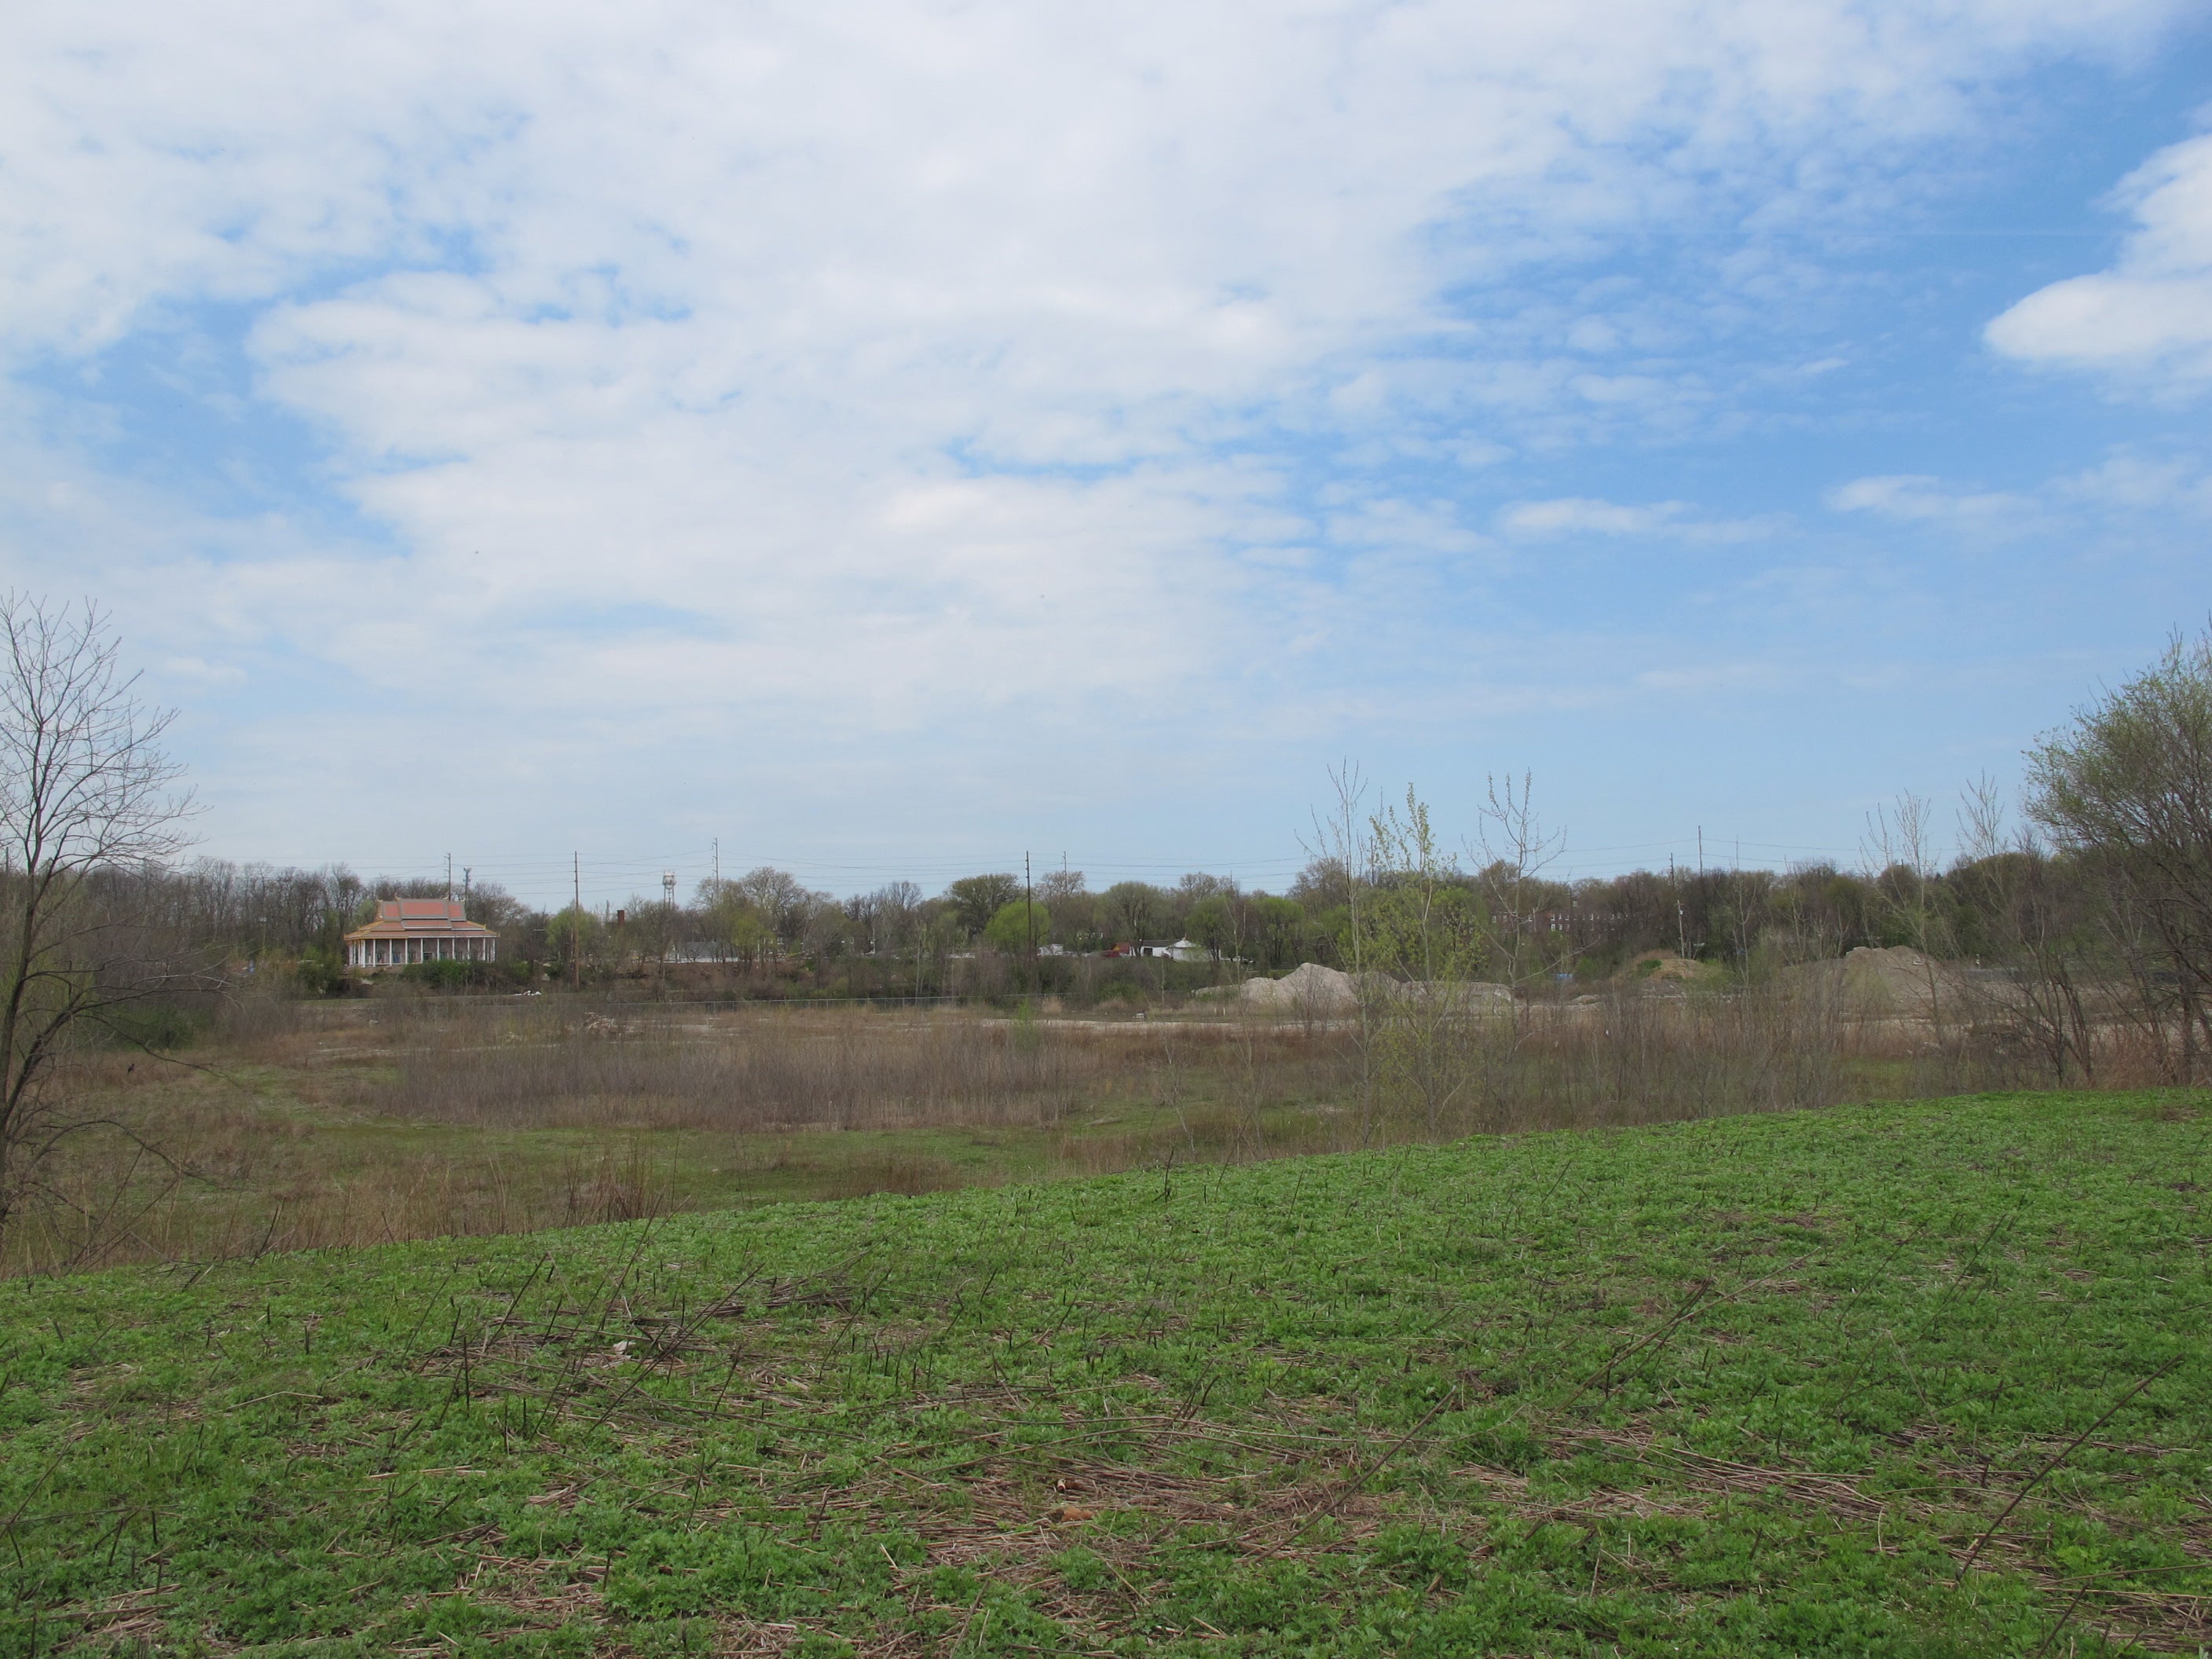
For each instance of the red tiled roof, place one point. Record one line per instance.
(416, 917)
(420, 909)
(418, 929)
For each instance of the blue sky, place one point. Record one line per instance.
(882, 439)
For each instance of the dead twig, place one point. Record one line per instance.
(2064, 1452)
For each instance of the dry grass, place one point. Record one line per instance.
(849, 1069)
(306, 1126)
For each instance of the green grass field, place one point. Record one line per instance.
(1910, 1379)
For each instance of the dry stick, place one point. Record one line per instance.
(1366, 1474)
(2064, 1620)
(2064, 1452)
(1697, 1294)
(1697, 1300)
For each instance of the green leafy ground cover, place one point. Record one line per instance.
(1919, 1379)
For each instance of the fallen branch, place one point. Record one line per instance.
(2064, 1452)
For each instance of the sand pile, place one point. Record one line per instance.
(1312, 989)
(1896, 980)
(1469, 994)
(1885, 984)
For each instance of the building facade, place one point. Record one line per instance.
(419, 930)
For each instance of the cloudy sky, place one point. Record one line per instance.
(881, 438)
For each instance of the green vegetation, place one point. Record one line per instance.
(1019, 927)
(1919, 1379)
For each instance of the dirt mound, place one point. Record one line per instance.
(1312, 989)
(1309, 988)
(1467, 995)
(1897, 982)
(1662, 971)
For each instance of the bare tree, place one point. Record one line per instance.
(977, 899)
(896, 909)
(779, 899)
(1134, 909)
(2128, 787)
(1901, 853)
(1423, 944)
(2035, 919)
(87, 800)
(1515, 849)
(1343, 854)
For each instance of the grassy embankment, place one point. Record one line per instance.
(1928, 1379)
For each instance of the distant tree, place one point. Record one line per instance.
(1060, 884)
(2033, 919)
(861, 922)
(1134, 911)
(574, 938)
(521, 929)
(2128, 787)
(977, 899)
(778, 898)
(1074, 908)
(87, 799)
(1216, 921)
(1516, 849)
(654, 928)
(895, 909)
(1019, 926)
(1281, 930)
(1325, 883)
(749, 937)
(827, 932)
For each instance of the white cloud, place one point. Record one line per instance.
(848, 369)
(1918, 497)
(1578, 515)
(2150, 318)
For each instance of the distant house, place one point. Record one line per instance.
(410, 930)
(1183, 949)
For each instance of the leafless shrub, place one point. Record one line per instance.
(1063, 1095)
(87, 798)
(849, 1070)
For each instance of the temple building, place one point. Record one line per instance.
(410, 930)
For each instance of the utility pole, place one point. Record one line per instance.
(466, 872)
(1029, 916)
(718, 863)
(449, 877)
(577, 924)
